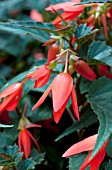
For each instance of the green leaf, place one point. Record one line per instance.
(10, 5)
(37, 157)
(12, 158)
(84, 85)
(36, 30)
(6, 139)
(9, 155)
(17, 78)
(98, 50)
(109, 165)
(87, 119)
(82, 30)
(83, 33)
(5, 126)
(100, 96)
(76, 161)
(41, 113)
(28, 164)
(84, 39)
(13, 44)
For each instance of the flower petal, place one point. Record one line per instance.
(40, 72)
(34, 141)
(9, 90)
(43, 97)
(24, 142)
(82, 146)
(61, 89)
(8, 102)
(67, 16)
(14, 102)
(75, 9)
(75, 104)
(97, 159)
(58, 6)
(42, 81)
(103, 19)
(58, 114)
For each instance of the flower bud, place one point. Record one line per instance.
(52, 52)
(83, 69)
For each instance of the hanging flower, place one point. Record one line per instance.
(88, 144)
(11, 96)
(25, 137)
(24, 142)
(70, 11)
(62, 88)
(42, 75)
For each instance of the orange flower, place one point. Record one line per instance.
(11, 95)
(36, 16)
(70, 11)
(24, 142)
(62, 88)
(42, 74)
(88, 144)
(83, 68)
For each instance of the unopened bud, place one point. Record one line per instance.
(83, 69)
(52, 52)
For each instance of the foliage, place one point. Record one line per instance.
(55, 84)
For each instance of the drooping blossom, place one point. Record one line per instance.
(88, 144)
(62, 88)
(10, 97)
(24, 142)
(25, 137)
(70, 11)
(36, 16)
(83, 69)
(42, 75)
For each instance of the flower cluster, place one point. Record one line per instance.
(65, 48)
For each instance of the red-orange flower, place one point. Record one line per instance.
(24, 142)
(70, 11)
(83, 68)
(88, 144)
(11, 96)
(42, 74)
(62, 88)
